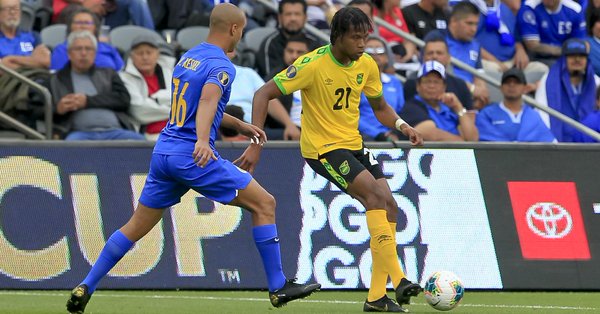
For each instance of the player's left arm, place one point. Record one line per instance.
(257, 135)
(388, 117)
(207, 107)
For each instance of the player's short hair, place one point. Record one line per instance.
(361, 2)
(284, 2)
(346, 19)
(463, 9)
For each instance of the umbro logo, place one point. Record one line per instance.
(328, 81)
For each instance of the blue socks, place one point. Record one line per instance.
(267, 242)
(114, 249)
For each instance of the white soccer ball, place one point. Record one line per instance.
(443, 290)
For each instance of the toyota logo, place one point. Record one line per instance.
(549, 220)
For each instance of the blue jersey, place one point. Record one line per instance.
(203, 64)
(22, 45)
(493, 40)
(495, 122)
(536, 23)
(468, 52)
(393, 93)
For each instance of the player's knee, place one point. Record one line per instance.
(376, 198)
(266, 206)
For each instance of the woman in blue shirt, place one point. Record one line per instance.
(107, 56)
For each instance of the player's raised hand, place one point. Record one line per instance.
(416, 139)
(203, 153)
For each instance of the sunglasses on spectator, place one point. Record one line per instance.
(375, 51)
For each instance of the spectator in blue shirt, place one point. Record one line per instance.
(392, 93)
(569, 88)
(436, 114)
(501, 42)
(511, 120)
(19, 48)
(463, 46)
(107, 56)
(546, 24)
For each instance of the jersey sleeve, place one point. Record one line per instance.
(373, 87)
(221, 75)
(295, 77)
(527, 24)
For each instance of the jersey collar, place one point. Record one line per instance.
(335, 60)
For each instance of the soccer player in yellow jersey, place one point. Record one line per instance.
(331, 79)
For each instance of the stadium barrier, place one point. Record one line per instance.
(499, 216)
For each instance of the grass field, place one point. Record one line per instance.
(250, 302)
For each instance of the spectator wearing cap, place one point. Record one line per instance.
(436, 48)
(392, 93)
(435, 113)
(90, 103)
(569, 88)
(511, 120)
(107, 56)
(147, 77)
(19, 48)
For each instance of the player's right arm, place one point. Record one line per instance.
(260, 103)
(207, 107)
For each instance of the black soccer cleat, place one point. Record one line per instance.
(292, 291)
(79, 299)
(405, 290)
(384, 304)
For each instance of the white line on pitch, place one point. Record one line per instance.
(507, 306)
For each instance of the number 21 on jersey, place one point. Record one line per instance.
(178, 104)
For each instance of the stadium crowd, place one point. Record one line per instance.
(106, 87)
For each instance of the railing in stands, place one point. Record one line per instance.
(317, 32)
(47, 108)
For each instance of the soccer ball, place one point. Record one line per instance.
(443, 290)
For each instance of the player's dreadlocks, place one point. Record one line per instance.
(346, 19)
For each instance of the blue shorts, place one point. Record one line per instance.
(170, 177)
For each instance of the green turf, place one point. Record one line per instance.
(250, 302)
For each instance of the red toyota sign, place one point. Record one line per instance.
(549, 221)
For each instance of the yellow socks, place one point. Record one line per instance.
(383, 251)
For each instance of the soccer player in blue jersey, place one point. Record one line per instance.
(185, 158)
(545, 24)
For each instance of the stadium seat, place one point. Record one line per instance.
(122, 36)
(42, 10)
(191, 36)
(27, 17)
(54, 35)
(254, 38)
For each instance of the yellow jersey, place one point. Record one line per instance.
(330, 95)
